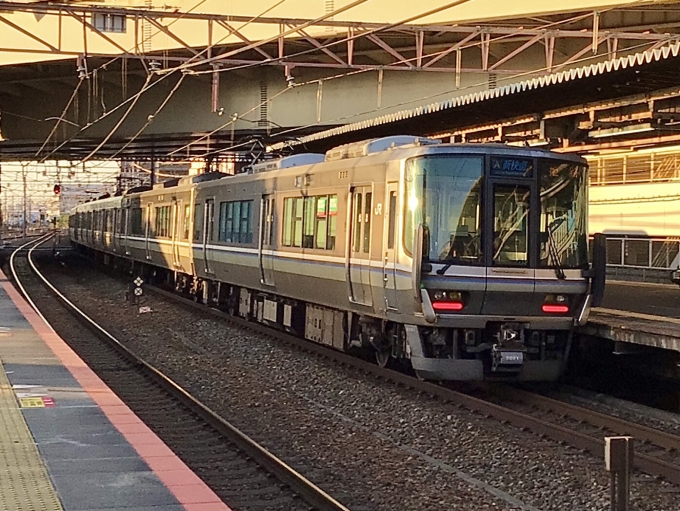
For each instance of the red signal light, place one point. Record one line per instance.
(57, 189)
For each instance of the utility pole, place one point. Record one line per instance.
(1, 203)
(24, 171)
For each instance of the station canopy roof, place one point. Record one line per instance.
(636, 75)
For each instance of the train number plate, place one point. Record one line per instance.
(512, 357)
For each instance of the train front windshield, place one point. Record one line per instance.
(444, 193)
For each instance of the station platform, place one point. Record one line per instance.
(67, 442)
(634, 328)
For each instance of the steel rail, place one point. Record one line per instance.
(312, 494)
(648, 464)
(601, 420)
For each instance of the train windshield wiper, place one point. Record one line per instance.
(552, 248)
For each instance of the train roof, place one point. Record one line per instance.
(367, 152)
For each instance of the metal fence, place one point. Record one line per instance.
(647, 253)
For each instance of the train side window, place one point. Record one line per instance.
(297, 222)
(332, 221)
(163, 221)
(287, 224)
(235, 222)
(392, 220)
(136, 228)
(246, 233)
(309, 216)
(198, 222)
(321, 221)
(308, 223)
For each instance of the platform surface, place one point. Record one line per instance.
(67, 442)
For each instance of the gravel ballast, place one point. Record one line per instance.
(369, 443)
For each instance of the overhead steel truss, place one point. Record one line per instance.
(564, 39)
(642, 120)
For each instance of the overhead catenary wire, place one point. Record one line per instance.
(176, 87)
(87, 74)
(169, 72)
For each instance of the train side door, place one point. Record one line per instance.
(266, 241)
(359, 257)
(149, 230)
(208, 228)
(175, 232)
(389, 246)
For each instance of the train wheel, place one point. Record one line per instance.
(383, 355)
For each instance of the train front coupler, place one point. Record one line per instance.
(507, 353)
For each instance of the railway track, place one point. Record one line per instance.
(241, 472)
(657, 452)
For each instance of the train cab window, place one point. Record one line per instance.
(443, 193)
(511, 225)
(186, 222)
(198, 222)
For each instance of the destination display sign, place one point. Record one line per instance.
(519, 167)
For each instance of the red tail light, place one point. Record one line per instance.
(447, 306)
(554, 308)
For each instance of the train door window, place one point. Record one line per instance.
(268, 234)
(368, 213)
(357, 221)
(511, 225)
(186, 222)
(210, 218)
(392, 219)
(198, 222)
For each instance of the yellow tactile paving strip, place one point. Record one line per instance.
(24, 483)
